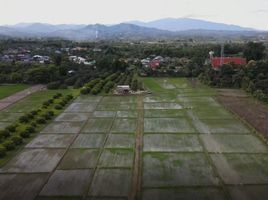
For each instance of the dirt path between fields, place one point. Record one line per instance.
(136, 176)
(8, 101)
(249, 109)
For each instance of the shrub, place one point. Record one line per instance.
(94, 91)
(4, 134)
(50, 101)
(46, 116)
(30, 129)
(24, 119)
(34, 112)
(41, 120)
(17, 140)
(54, 85)
(62, 103)
(85, 91)
(46, 104)
(51, 113)
(11, 128)
(33, 124)
(58, 107)
(2, 151)
(69, 96)
(9, 145)
(63, 86)
(25, 134)
(30, 116)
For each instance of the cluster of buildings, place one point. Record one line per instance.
(27, 58)
(152, 63)
(81, 60)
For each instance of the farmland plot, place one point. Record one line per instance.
(120, 141)
(98, 125)
(177, 169)
(162, 106)
(116, 158)
(111, 182)
(171, 143)
(124, 126)
(204, 193)
(231, 126)
(63, 127)
(242, 168)
(167, 125)
(164, 113)
(177, 143)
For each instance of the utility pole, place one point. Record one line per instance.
(222, 55)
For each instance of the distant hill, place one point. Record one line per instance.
(168, 28)
(183, 24)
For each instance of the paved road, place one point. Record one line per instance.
(4, 103)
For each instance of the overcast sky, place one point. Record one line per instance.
(248, 13)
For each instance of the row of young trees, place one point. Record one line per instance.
(13, 136)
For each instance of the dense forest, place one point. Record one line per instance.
(252, 77)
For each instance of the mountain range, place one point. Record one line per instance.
(160, 29)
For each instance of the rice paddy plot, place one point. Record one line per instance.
(167, 125)
(248, 192)
(98, 125)
(127, 114)
(155, 99)
(242, 168)
(206, 112)
(162, 106)
(166, 84)
(111, 182)
(4, 124)
(23, 106)
(88, 99)
(79, 159)
(123, 125)
(9, 117)
(75, 183)
(34, 160)
(73, 117)
(103, 114)
(108, 106)
(51, 141)
(116, 158)
(21, 186)
(200, 193)
(164, 113)
(89, 141)
(127, 106)
(197, 102)
(221, 143)
(118, 141)
(171, 143)
(180, 83)
(227, 126)
(81, 107)
(118, 99)
(177, 169)
(63, 127)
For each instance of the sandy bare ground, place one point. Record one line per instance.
(252, 111)
(4, 103)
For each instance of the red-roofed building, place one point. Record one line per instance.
(216, 61)
(154, 64)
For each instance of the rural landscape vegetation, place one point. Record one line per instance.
(162, 110)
